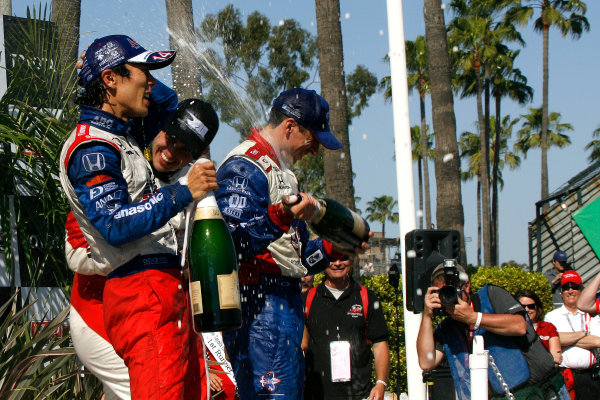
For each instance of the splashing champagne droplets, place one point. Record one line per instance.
(206, 55)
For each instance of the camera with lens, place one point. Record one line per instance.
(451, 290)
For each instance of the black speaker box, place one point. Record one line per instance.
(425, 249)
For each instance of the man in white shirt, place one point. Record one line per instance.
(579, 335)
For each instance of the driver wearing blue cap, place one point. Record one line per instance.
(272, 242)
(125, 218)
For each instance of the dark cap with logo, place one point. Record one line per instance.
(195, 123)
(113, 50)
(310, 110)
(560, 256)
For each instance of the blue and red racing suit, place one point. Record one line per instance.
(274, 252)
(125, 218)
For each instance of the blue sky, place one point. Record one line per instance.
(573, 93)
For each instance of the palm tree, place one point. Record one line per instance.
(418, 155)
(506, 81)
(471, 150)
(594, 145)
(66, 14)
(449, 209)
(338, 164)
(530, 134)
(479, 32)
(380, 209)
(185, 69)
(418, 77)
(6, 7)
(569, 17)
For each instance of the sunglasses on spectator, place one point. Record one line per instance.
(529, 306)
(573, 286)
(342, 259)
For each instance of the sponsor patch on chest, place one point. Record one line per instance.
(356, 311)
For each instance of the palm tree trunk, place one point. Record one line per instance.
(337, 164)
(544, 133)
(383, 243)
(484, 174)
(479, 220)
(424, 151)
(487, 162)
(420, 173)
(185, 71)
(66, 14)
(6, 7)
(495, 172)
(449, 209)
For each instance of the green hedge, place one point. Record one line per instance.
(513, 278)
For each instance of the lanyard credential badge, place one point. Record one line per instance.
(340, 361)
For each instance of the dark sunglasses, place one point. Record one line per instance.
(342, 259)
(529, 306)
(573, 286)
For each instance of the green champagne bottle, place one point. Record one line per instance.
(340, 225)
(214, 288)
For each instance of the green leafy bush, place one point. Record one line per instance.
(394, 316)
(40, 365)
(513, 278)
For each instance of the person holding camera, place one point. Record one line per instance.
(579, 335)
(525, 366)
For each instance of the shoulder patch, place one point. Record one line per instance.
(83, 135)
(255, 153)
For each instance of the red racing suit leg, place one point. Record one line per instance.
(148, 321)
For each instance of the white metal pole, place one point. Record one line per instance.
(478, 364)
(404, 177)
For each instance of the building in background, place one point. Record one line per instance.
(377, 260)
(571, 225)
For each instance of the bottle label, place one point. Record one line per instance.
(207, 213)
(229, 295)
(196, 297)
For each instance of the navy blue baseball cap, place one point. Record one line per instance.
(310, 110)
(560, 256)
(113, 50)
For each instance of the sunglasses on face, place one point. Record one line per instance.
(342, 259)
(529, 306)
(573, 286)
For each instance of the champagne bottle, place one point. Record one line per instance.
(214, 290)
(340, 225)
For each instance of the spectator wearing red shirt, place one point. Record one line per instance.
(545, 330)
